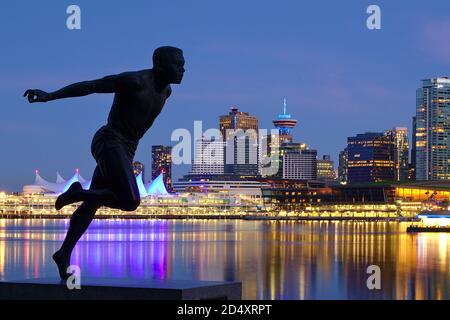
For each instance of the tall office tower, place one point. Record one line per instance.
(433, 130)
(343, 166)
(325, 169)
(370, 158)
(208, 158)
(240, 133)
(269, 149)
(162, 163)
(284, 123)
(138, 168)
(300, 164)
(412, 159)
(399, 136)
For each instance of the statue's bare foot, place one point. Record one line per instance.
(63, 264)
(68, 197)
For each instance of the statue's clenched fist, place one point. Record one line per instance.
(36, 95)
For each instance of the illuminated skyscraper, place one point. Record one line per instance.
(138, 168)
(370, 158)
(343, 166)
(399, 136)
(241, 154)
(433, 130)
(162, 163)
(412, 164)
(325, 169)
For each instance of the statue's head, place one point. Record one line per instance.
(169, 63)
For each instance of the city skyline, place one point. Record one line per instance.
(170, 145)
(345, 78)
(202, 165)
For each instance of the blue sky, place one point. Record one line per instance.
(339, 77)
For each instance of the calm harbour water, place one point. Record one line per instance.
(272, 259)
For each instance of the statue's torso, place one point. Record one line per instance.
(134, 111)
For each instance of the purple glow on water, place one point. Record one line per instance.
(124, 248)
(273, 260)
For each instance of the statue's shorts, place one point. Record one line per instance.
(114, 155)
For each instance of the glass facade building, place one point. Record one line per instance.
(343, 166)
(370, 158)
(399, 137)
(432, 127)
(412, 164)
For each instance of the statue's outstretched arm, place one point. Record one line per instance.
(108, 84)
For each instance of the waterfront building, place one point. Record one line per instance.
(298, 162)
(42, 186)
(208, 158)
(433, 130)
(228, 197)
(370, 158)
(240, 133)
(162, 163)
(283, 149)
(325, 169)
(363, 201)
(224, 195)
(399, 137)
(224, 184)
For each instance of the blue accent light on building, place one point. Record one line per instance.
(284, 123)
(157, 187)
(141, 187)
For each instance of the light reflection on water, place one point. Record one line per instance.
(272, 259)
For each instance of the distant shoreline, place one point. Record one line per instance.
(209, 217)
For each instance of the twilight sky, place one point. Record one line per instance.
(339, 77)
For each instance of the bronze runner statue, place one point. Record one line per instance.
(139, 97)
